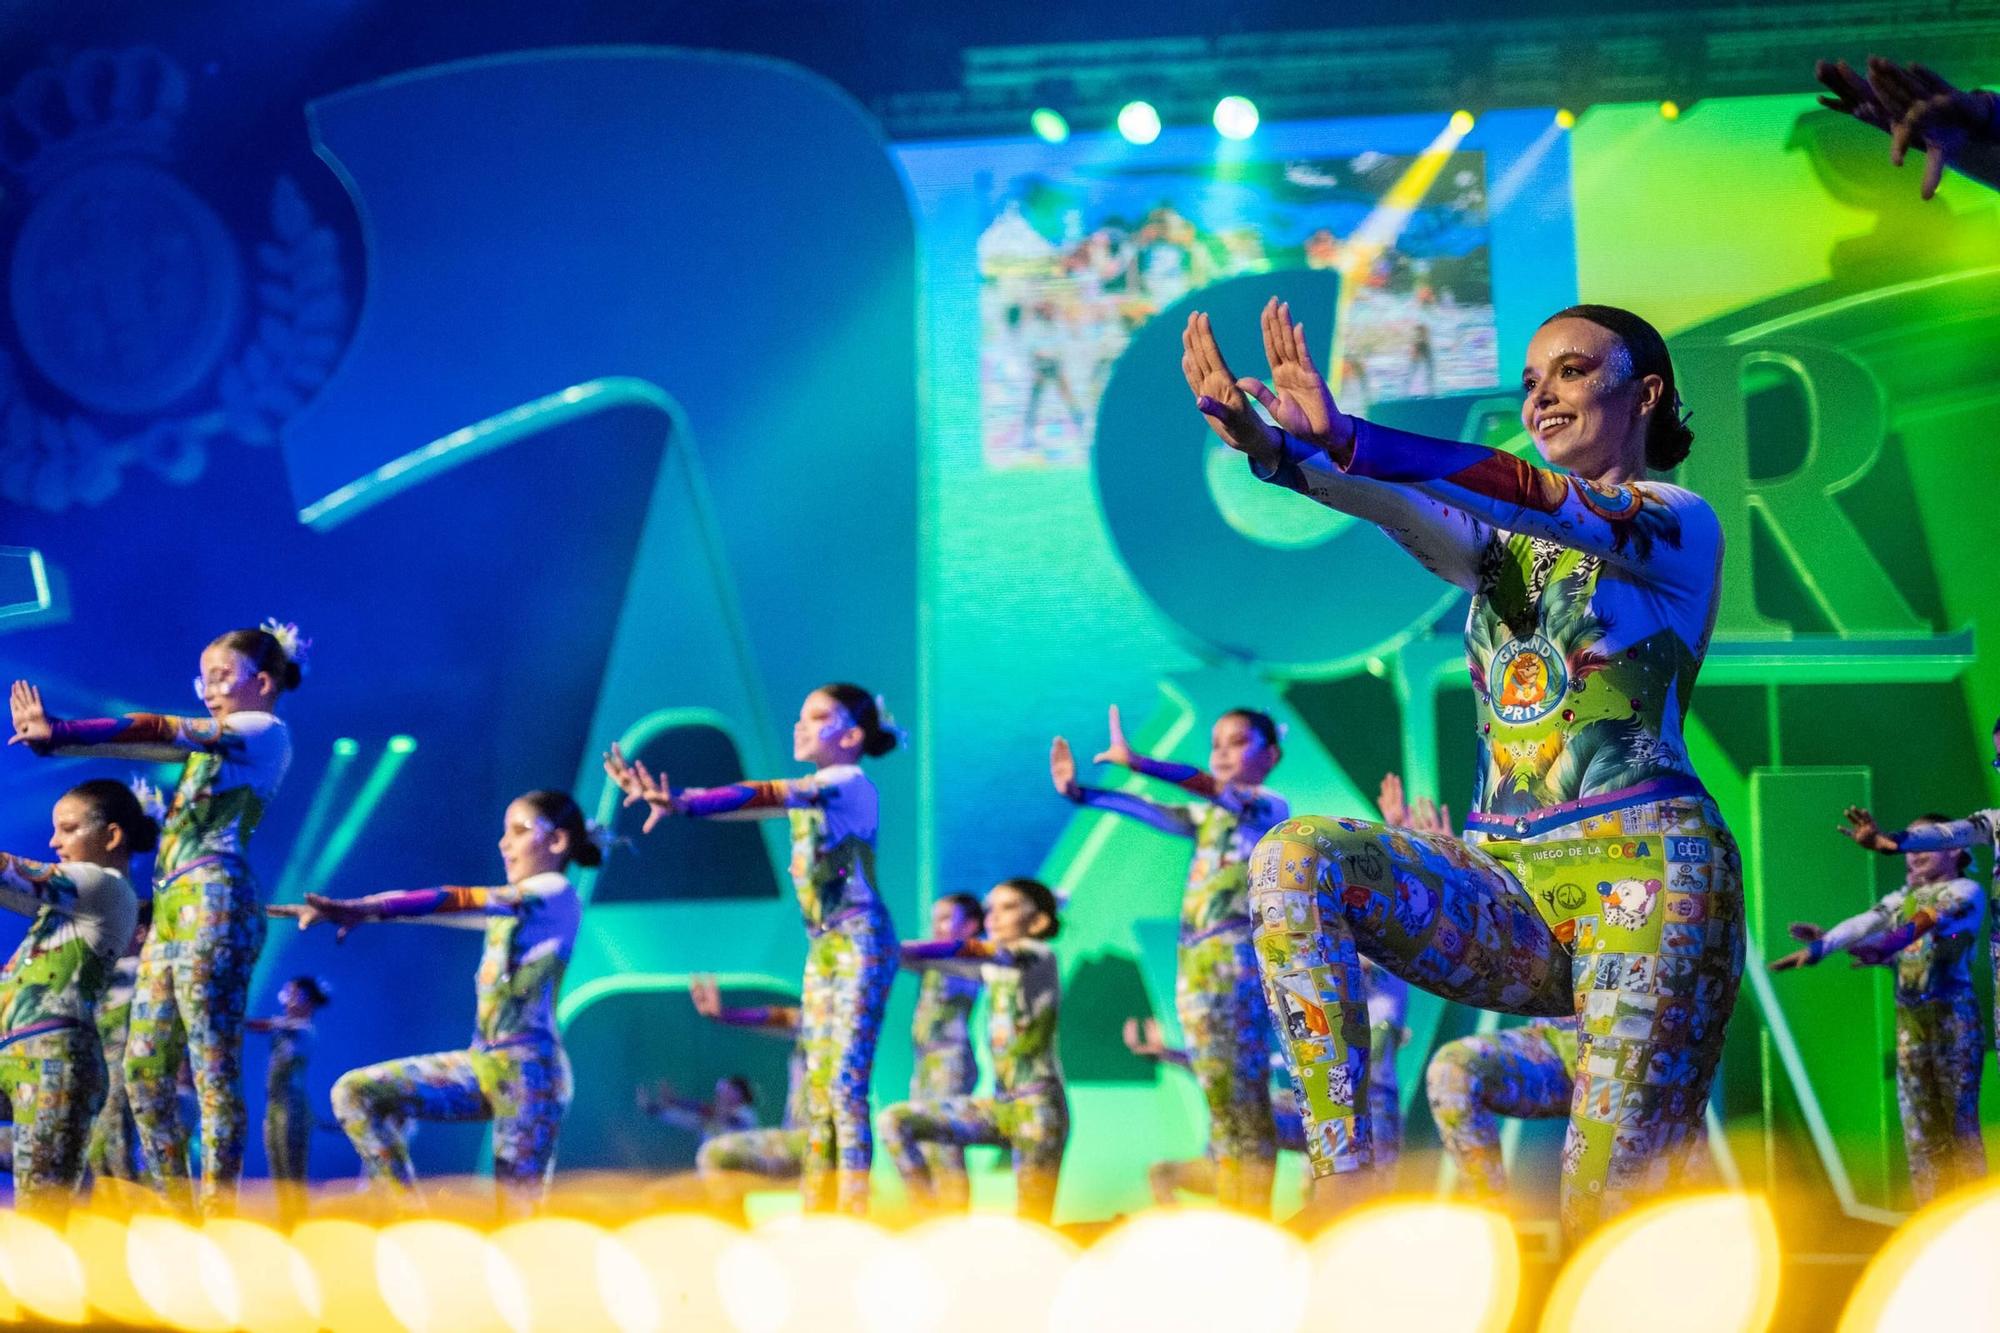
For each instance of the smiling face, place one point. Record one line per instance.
(825, 733)
(1582, 404)
(529, 844)
(82, 834)
(1238, 752)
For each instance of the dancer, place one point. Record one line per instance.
(1981, 826)
(941, 1032)
(1028, 1112)
(1926, 930)
(194, 973)
(287, 1121)
(1217, 995)
(515, 1073)
(731, 1107)
(51, 1065)
(1528, 1072)
(733, 1165)
(1603, 882)
(852, 955)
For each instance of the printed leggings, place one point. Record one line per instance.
(945, 1070)
(51, 1085)
(1527, 1072)
(1226, 1023)
(113, 1151)
(849, 966)
(287, 1132)
(193, 983)
(524, 1089)
(1939, 1052)
(1033, 1125)
(1631, 920)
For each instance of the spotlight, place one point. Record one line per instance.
(1236, 117)
(347, 747)
(1049, 125)
(1670, 109)
(1462, 121)
(1138, 122)
(1565, 119)
(400, 744)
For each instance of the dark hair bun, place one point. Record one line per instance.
(561, 810)
(877, 739)
(1668, 437)
(116, 804)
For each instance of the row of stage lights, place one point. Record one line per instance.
(1236, 118)
(979, 1273)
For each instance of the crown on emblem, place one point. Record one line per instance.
(100, 103)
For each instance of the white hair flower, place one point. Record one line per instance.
(150, 799)
(295, 646)
(884, 722)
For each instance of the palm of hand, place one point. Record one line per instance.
(1304, 407)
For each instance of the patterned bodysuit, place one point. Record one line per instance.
(515, 1073)
(51, 1062)
(850, 960)
(1028, 1112)
(208, 926)
(941, 1033)
(1599, 880)
(1217, 994)
(1933, 928)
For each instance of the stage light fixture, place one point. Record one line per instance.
(1670, 109)
(1565, 118)
(1462, 121)
(401, 744)
(347, 747)
(1236, 117)
(1049, 125)
(1138, 122)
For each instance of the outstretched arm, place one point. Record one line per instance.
(156, 737)
(1144, 1039)
(1952, 127)
(773, 1020)
(1062, 773)
(446, 905)
(29, 886)
(737, 800)
(1299, 452)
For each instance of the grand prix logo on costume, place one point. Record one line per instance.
(1528, 679)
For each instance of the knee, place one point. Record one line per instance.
(1449, 1078)
(896, 1122)
(353, 1098)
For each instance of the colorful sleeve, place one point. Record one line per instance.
(446, 905)
(1876, 920)
(1669, 534)
(959, 957)
(1974, 829)
(1185, 776)
(29, 886)
(679, 1115)
(1956, 909)
(149, 736)
(1446, 540)
(1174, 819)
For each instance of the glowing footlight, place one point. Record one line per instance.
(679, 1256)
(39, 1272)
(341, 1256)
(99, 1243)
(1139, 1276)
(924, 1287)
(1385, 1261)
(278, 1289)
(802, 1273)
(564, 1271)
(1730, 1239)
(1936, 1272)
(440, 1277)
(183, 1277)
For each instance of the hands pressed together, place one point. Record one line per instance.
(1296, 397)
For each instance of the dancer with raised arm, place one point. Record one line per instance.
(851, 959)
(1217, 996)
(1598, 878)
(208, 925)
